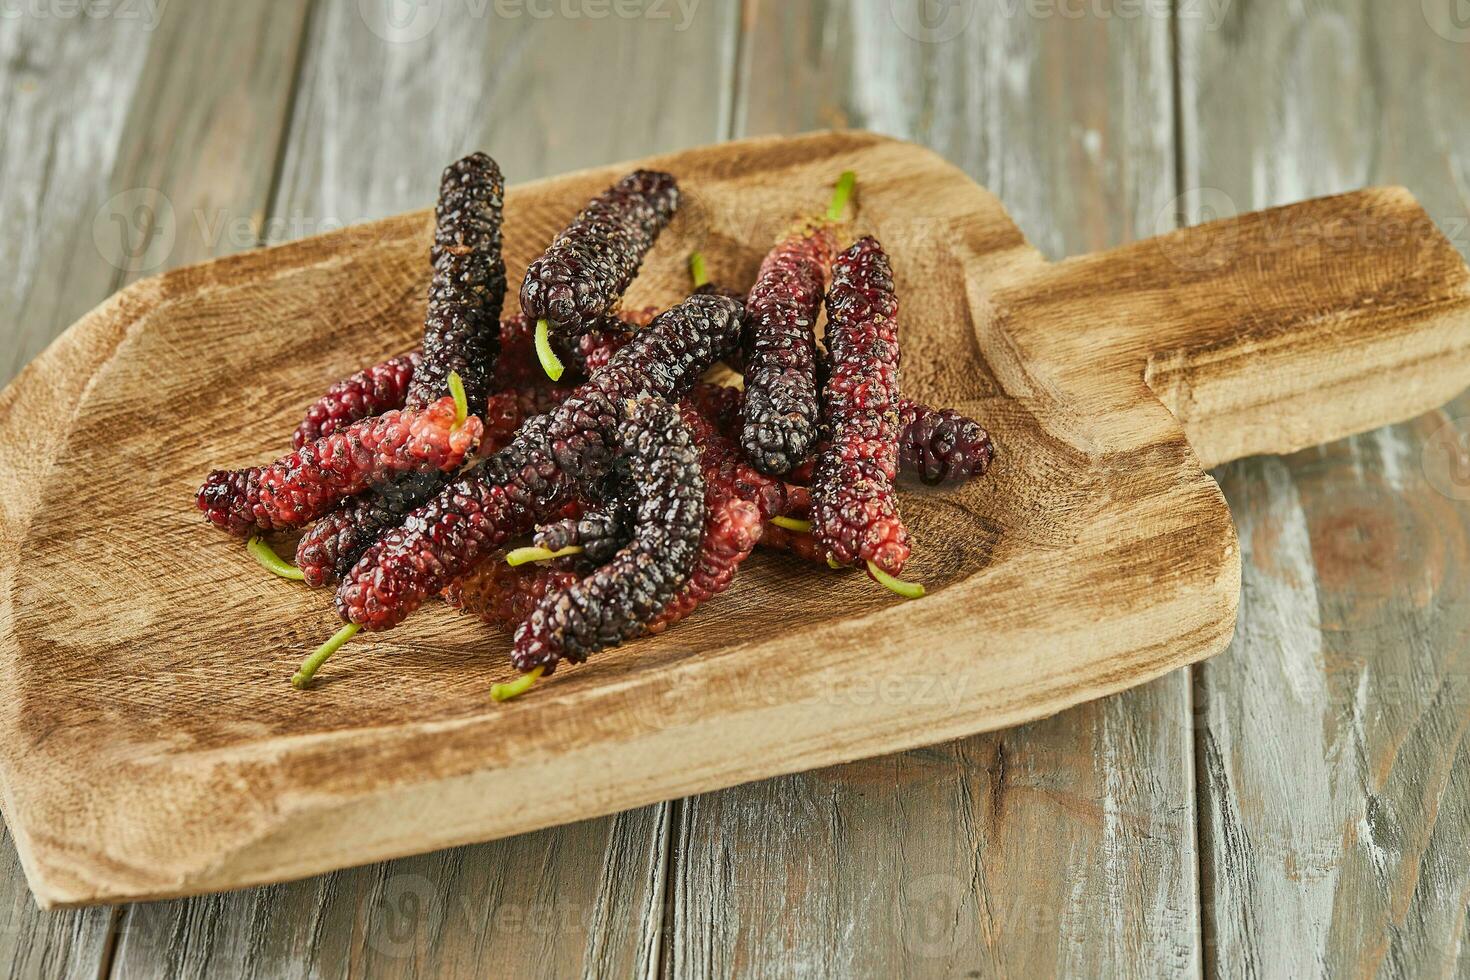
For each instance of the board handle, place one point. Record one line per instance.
(1282, 329)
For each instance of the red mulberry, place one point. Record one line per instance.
(334, 544)
(854, 508)
(372, 391)
(504, 595)
(303, 485)
(622, 597)
(477, 513)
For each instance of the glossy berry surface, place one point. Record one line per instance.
(305, 484)
(855, 515)
(585, 271)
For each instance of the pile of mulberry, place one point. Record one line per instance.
(477, 513)
(618, 601)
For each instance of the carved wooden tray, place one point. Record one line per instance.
(151, 746)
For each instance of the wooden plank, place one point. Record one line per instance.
(93, 103)
(1333, 759)
(381, 109)
(1062, 846)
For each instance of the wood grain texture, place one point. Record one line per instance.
(1334, 770)
(1118, 530)
(378, 115)
(925, 863)
(107, 115)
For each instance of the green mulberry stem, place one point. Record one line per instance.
(793, 524)
(909, 590)
(272, 562)
(550, 363)
(841, 193)
(461, 403)
(697, 270)
(520, 556)
(311, 664)
(517, 687)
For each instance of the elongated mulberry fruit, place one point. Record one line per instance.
(462, 327)
(622, 597)
(332, 545)
(478, 512)
(371, 391)
(590, 264)
(303, 485)
(855, 514)
(599, 533)
(781, 408)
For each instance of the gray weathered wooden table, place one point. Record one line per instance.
(1299, 805)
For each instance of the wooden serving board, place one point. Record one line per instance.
(151, 746)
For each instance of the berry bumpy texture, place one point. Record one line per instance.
(585, 354)
(530, 478)
(587, 268)
(461, 337)
(467, 291)
(334, 544)
(854, 508)
(305, 484)
(659, 463)
(372, 391)
(940, 445)
(781, 407)
(505, 596)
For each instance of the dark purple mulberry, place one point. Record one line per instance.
(477, 513)
(854, 508)
(372, 391)
(941, 445)
(462, 328)
(599, 533)
(622, 597)
(590, 264)
(781, 408)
